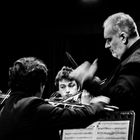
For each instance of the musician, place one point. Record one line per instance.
(69, 89)
(123, 84)
(27, 116)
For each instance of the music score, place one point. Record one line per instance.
(101, 130)
(117, 125)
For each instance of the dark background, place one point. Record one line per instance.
(50, 29)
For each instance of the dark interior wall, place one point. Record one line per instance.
(52, 49)
(49, 30)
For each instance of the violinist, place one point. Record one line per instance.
(66, 86)
(69, 90)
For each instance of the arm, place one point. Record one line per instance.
(85, 75)
(61, 118)
(126, 85)
(84, 72)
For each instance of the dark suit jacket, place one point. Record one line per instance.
(31, 118)
(123, 85)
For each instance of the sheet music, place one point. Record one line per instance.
(101, 130)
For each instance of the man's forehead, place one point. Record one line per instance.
(107, 30)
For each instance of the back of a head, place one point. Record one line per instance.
(122, 22)
(27, 74)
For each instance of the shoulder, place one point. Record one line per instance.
(132, 63)
(131, 68)
(29, 102)
(135, 57)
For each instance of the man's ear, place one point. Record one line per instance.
(124, 38)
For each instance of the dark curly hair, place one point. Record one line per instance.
(27, 74)
(64, 74)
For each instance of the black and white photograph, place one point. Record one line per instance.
(70, 70)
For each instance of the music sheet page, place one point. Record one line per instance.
(101, 130)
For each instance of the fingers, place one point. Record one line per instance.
(105, 101)
(85, 97)
(92, 70)
(94, 66)
(85, 71)
(80, 72)
(102, 99)
(111, 107)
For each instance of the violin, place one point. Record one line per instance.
(3, 97)
(68, 101)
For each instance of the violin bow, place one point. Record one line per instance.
(71, 60)
(76, 65)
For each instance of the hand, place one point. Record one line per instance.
(100, 98)
(104, 101)
(84, 72)
(100, 103)
(85, 97)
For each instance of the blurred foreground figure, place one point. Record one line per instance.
(27, 116)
